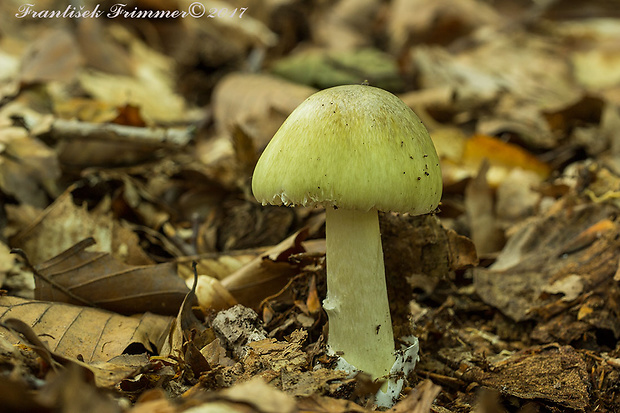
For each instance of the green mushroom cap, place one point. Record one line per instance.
(353, 147)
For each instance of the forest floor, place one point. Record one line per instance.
(127, 145)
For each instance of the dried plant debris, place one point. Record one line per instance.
(552, 373)
(554, 262)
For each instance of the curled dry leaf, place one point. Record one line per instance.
(78, 276)
(184, 323)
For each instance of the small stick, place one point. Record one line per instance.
(160, 137)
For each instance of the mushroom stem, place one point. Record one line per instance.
(360, 326)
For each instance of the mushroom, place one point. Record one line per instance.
(354, 150)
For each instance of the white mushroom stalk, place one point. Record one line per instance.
(360, 326)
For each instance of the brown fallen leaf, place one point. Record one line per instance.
(257, 103)
(419, 400)
(343, 26)
(54, 56)
(260, 395)
(63, 224)
(321, 404)
(71, 391)
(436, 21)
(266, 274)
(28, 168)
(92, 334)
(77, 276)
(212, 295)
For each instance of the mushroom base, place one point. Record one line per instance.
(360, 326)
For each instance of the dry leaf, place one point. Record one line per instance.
(53, 56)
(266, 274)
(98, 279)
(212, 295)
(344, 25)
(86, 333)
(28, 168)
(419, 400)
(502, 158)
(63, 224)
(151, 84)
(432, 21)
(258, 103)
(260, 395)
(183, 326)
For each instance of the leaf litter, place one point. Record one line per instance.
(148, 278)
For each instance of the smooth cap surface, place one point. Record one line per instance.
(354, 147)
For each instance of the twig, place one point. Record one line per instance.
(160, 137)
